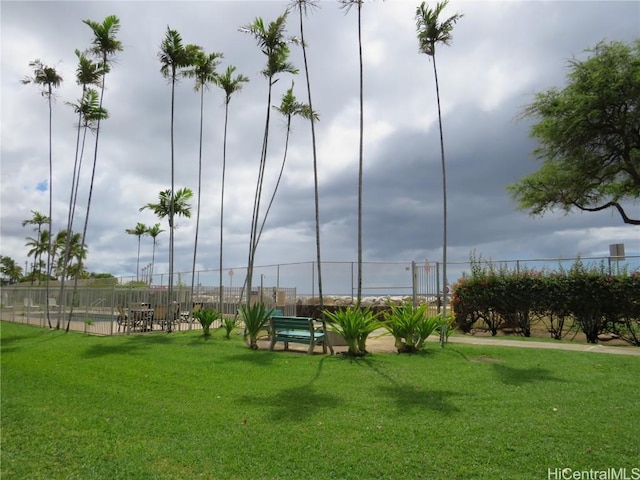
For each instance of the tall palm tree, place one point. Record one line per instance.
(230, 85)
(347, 4)
(38, 246)
(105, 46)
(169, 205)
(174, 56)
(431, 31)
(38, 219)
(47, 78)
(274, 44)
(304, 6)
(153, 232)
(140, 230)
(289, 107)
(204, 72)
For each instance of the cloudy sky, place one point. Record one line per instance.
(503, 52)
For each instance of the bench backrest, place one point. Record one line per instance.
(291, 323)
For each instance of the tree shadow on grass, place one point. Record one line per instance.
(521, 376)
(133, 345)
(295, 404)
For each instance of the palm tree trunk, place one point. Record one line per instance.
(445, 288)
(171, 202)
(275, 189)
(253, 241)
(93, 175)
(360, 161)
(195, 245)
(315, 159)
(224, 167)
(50, 211)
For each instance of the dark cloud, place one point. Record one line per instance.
(502, 53)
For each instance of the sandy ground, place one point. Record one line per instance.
(379, 343)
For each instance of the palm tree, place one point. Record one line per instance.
(304, 6)
(273, 43)
(105, 47)
(38, 219)
(47, 78)
(139, 230)
(10, 270)
(169, 205)
(204, 72)
(37, 247)
(289, 107)
(347, 4)
(173, 56)
(153, 232)
(230, 85)
(431, 31)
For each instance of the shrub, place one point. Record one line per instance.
(410, 326)
(229, 324)
(354, 324)
(206, 316)
(254, 318)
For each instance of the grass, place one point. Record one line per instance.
(180, 406)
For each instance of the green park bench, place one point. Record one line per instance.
(302, 330)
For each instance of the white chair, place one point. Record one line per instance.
(28, 303)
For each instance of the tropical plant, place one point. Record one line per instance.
(347, 4)
(173, 56)
(38, 219)
(431, 32)
(47, 79)
(229, 324)
(105, 46)
(11, 272)
(254, 317)
(273, 43)
(304, 6)
(410, 326)
(153, 232)
(289, 107)
(230, 85)
(206, 317)
(203, 71)
(139, 230)
(355, 324)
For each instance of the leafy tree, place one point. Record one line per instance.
(347, 4)
(11, 272)
(38, 219)
(431, 32)
(168, 206)
(204, 72)
(304, 6)
(275, 45)
(588, 137)
(230, 85)
(139, 230)
(153, 232)
(47, 78)
(174, 56)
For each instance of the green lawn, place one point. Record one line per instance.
(178, 406)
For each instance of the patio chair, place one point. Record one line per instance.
(160, 315)
(122, 318)
(28, 303)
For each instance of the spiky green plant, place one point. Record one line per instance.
(206, 317)
(254, 318)
(229, 324)
(410, 326)
(354, 324)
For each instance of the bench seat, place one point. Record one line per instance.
(302, 330)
